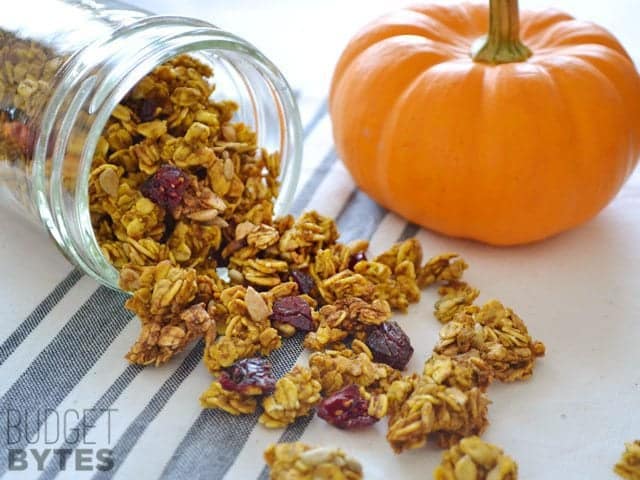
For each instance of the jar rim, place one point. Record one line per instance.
(71, 226)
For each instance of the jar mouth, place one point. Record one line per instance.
(84, 101)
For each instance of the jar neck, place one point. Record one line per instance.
(95, 80)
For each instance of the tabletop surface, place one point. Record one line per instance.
(577, 292)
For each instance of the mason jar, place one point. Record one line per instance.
(66, 64)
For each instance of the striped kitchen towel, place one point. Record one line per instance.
(72, 408)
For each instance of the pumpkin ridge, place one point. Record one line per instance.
(634, 147)
(543, 38)
(378, 30)
(395, 122)
(574, 109)
(459, 39)
(592, 34)
(534, 24)
(423, 57)
(565, 33)
(607, 68)
(522, 182)
(471, 12)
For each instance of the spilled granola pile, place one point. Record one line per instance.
(173, 177)
(179, 191)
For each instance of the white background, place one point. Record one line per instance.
(305, 37)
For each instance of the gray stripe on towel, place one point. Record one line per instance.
(410, 230)
(29, 324)
(137, 427)
(303, 197)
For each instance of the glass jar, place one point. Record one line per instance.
(66, 64)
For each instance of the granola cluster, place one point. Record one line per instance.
(165, 301)
(448, 401)
(242, 316)
(498, 334)
(454, 298)
(424, 409)
(299, 461)
(296, 394)
(28, 70)
(336, 369)
(474, 459)
(462, 371)
(235, 403)
(347, 316)
(629, 465)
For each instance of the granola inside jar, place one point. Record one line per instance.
(65, 68)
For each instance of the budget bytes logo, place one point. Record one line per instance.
(71, 428)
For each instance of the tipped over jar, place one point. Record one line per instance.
(66, 69)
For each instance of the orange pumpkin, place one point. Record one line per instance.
(507, 143)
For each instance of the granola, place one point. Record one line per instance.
(399, 391)
(178, 190)
(498, 334)
(445, 414)
(168, 121)
(462, 371)
(28, 69)
(629, 465)
(296, 394)
(299, 461)
(243, 317)
(390, 277)
(335, 369)
(305, 237)
(455, 297)
(474, 459)
(158, 291)
(400, 285)
(235, 403)
(446, 403)
(347, 316)
(163, 300)
(447, 267)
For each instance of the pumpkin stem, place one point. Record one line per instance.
(503, 44)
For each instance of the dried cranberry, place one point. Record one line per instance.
(346, 409)
(166, 187)
(249, 376)
(390, 345)
(148, 108)
(355, 258)
(306, 283)
(294, 311)
(21, 135)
